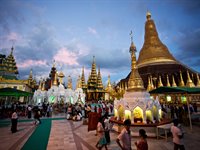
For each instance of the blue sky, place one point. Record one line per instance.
(71, 32)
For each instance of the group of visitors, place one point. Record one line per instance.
(77, 111)
(123, 139)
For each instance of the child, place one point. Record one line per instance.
(142, 143)
(102, 140)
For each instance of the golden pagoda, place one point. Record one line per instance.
(135, 82)
(78, 83)
(156, 60)
(95, 90)
(83, 85)
(9, 74)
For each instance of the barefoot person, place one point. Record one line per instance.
(177, 136)
(100, 132)
(125, 136)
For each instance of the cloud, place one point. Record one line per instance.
(189, 47)
(66, 57)
(31, 63)
(92, 30)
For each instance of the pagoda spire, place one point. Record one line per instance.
(160, 84)
(149, 86)
(83, 85)
(168, 84)
(30, 78)
(135, 82)
(181, 84)
(173, 82)
(189, 81)
(109, 86)
(55, 82)
(11, 67)
(92, 79)
(69, 84)
(43, 85)
(153, 50)
(40, 84)
(198, 81)
(99, 81)
(78, 82)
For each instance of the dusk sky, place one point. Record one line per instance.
(71, 32)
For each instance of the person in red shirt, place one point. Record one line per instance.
(142, 143)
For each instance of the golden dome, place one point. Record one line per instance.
(61, 74)
(153, 50)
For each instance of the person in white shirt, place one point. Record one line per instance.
(177, 136)
(125, 136)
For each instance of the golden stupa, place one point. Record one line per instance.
(157, 63)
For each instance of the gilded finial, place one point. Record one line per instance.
(12, 48)
(160, 84)
(149, 86)
(148, 15)
(151, 80)
(131, 35)
(43, 85)
(55, 79)
(173, 82)
(189, 81)
(181, 84)
(168, 84)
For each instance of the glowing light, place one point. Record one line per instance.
(169, 99)
(115, 113)
(127, 114)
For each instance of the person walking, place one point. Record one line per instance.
(142, 143)
(125, 136)
(177, 136)
(100, 132)
(37, 116)
(107, 127)
(14, 119)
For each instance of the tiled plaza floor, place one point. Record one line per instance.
(68, 135)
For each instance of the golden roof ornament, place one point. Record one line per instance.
(189, 82)
(99, 80)
(153, 50)
(198, 81)
(151, 80)
(61, 76)
(43, 85)
(83, 79)
(181, 84)
(54, 64)
(135, 82)
(109, 86)
(148, 15)
(168, 83)
(149, 86)
(78, 82)
(160, 84)
(40, 84)
(69, 83)
(55, 79)
(173, 82)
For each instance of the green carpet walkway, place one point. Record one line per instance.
(40, 137)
